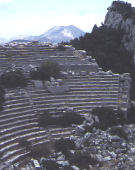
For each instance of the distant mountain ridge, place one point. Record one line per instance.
(58, 34)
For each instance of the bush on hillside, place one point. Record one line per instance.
(82, 159)
(63, 145)
(13, 79)
(45, 71)
(63, 120)
(131, 115)
(123, 8)
(106, 46)
(108, 117)
(49, 165)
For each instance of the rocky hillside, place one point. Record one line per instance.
(121, 16)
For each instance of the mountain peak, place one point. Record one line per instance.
(58, 34)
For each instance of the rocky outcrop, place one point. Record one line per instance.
(118, 19)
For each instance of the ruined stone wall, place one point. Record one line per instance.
(124, 88)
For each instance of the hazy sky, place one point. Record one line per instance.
(18, 17)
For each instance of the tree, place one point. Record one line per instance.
(49, 164)
(63, 145)
(45, 71)
(106, 46)
(83, 159)
(63, 120)
(13, 79)
(108, 117)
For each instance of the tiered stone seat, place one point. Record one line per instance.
(85, 93)
(20, 114)
(19, 120)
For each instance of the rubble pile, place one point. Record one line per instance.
(113, 148)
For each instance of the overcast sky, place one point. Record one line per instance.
(34, 17)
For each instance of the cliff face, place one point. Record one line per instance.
(122, 16)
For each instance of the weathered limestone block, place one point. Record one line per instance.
(58, 89)
(80, 53)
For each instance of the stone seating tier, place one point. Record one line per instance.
(19, 109)
(19, 122)
(19, 117)
(14, 114)
(37, 97)
(14, 119)
(41, 139)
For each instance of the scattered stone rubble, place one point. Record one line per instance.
(113, 151)
(108, 151)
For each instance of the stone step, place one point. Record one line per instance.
(77, 103)
(30, 136)
(18, 133)
(82, 100)
(96, 89)
(92, 83)
(43, 93)
(16, 128)
(16, 101)
(35, 141)
(16, 109)
(14, 119)
(94, 86)
(14, 105)
(77, 107)
(74, 97)
(20, 122)
(4, 115)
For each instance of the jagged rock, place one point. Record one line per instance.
(116, 20)
(63, 163)
(61, 158)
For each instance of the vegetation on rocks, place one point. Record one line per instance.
(45, 71)
(13, 79)
(106, 46)
(108, 117)
(49, 165)
(65, 119)
(123, 8)
(63, 145)
(82, 159)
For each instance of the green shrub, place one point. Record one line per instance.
(123, 8)
(63, 145)
(63, 120)
(49, 165)
(83, 160)
(108, 117)
(13, 79)
(45, 71)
